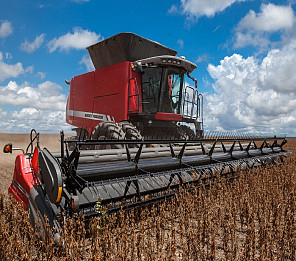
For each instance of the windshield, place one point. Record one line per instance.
(162, 89)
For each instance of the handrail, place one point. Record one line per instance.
(137, 95)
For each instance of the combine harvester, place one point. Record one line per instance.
(133, 145)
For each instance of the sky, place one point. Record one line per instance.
(245, 51)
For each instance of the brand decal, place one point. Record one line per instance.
(90, 115)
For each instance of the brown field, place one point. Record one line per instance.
(251, 218)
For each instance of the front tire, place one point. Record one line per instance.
(108, 130)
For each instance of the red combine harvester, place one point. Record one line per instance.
(139, 89)
(136, 100)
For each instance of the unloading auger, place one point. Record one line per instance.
(49, 184)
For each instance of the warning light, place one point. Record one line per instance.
(75, 203)
(7, 148)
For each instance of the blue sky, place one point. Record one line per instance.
(245, 53)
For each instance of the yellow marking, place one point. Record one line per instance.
(59, 194)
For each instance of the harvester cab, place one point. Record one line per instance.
(139, 89)
(166, 95)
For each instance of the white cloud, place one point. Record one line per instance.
(5, 29)
(10, 70)
(243, 39)
(272, 18)
(79, 39)
(3, 113)
(30, 69)
(255, 28)
(174, 9)
(23, 120)
(43, 121)
(278, 70)
(202, 58)
(41, 74)
(47, 96)
(8, 56)
(181, 43)
(197, 8)
(28, 113)
(88, 63)
(42, 107)
(252, 95)
(31, 47)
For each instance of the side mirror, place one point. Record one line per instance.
(138, 67)
(7, 148)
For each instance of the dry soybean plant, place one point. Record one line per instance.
(250, 218)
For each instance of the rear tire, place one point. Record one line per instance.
(131, 133)
(108, 130)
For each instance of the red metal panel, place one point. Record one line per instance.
(168, 116)
(82, 98)
(83, 91)
(111, 85)
(101, 95)
(24, 179)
